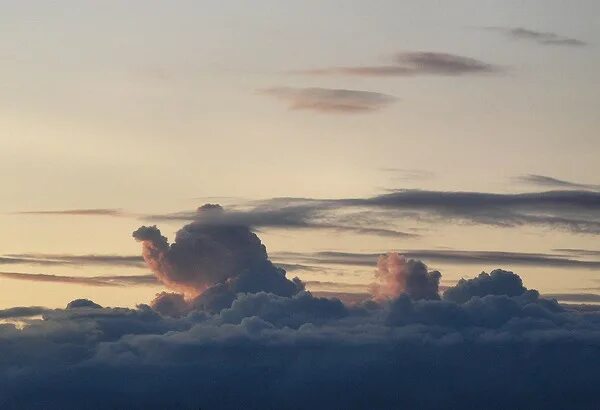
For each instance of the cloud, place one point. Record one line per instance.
(540, 37)
(575, 297)
(296, 216)
(571, 210)
(329, 100)
(498, 282)
(413, 64)
(223, 259)
(498, 339)
(397, 275)
(66, 259)
(409, 174)
(19, 312)
(109, 280)
(77, 212)
(546, 181)
(448, 256)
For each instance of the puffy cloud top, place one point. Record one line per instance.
(498, 282)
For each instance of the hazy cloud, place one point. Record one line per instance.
(77, 212)
(413, 64)
(575, 297)
(295, 216)
(68, 259)
(460, 257)
(546, 181)
(108, 280)
(575, 211)
(540, 37)
(331, 100)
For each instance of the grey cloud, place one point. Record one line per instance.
(540, 37)
(331, 100)
(461, 257)
(22, 311)
(546, 181)
(416, 63)
(575, 297)
(578, 252)
(78, 212)
(504, 342)
(108, 280)
(295, 216)
(575, 211)
(68, 259)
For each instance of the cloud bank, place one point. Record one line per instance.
(238, 334)
(486, 337)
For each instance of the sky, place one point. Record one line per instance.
(153, 108)
(169, 168)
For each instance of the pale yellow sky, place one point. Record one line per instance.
(145, 107)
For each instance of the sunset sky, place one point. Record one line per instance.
(281, 204)
(119, 114)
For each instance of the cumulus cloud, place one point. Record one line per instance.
(540, 37)
(227, 258)
(498, 282)
(415, 63)
(397, 275)
(496, 339)
(331, 100)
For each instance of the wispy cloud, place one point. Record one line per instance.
(540, 37)
(331, 100)
(409, 174)
(112, 281)
(459, 257)
(78, 212)
(280, 215)
(575, 297)
(546, 181)
(66, 259)
(413, 64)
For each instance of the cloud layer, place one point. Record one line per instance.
(485, 337)
(239, 334)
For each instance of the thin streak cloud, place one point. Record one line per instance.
(102, 281)
(550, 182)
(328, 100)
(540, 37)
(461, 257)
(408, 64)
(77, 212)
